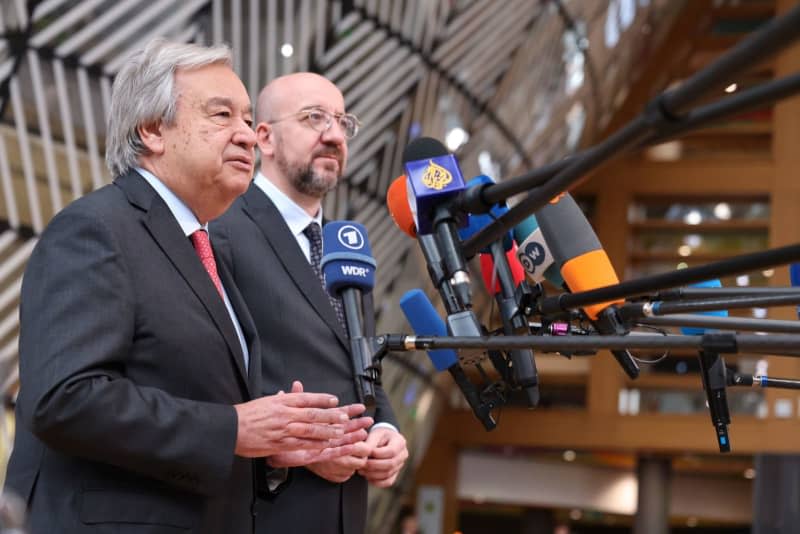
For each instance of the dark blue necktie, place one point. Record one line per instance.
(314, 235)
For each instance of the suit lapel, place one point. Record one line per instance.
(166, 231)
(245, 322)
(266, 216)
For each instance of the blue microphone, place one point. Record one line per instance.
(478, 221)
(794, 276)
(697, 331)
(425, 321)
(349, 270)
(347, 260)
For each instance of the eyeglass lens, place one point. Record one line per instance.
(321, 120)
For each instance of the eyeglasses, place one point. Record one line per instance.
(321, 120)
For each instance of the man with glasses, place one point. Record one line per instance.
(270, 240)
(139, 407)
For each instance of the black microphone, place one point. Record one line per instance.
(349, 270)
(462, 322)
(584, 265)
(714, 374)
(495, 265)
(514, 321)
(400, 211)
(435, 180)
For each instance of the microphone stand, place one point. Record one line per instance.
(722, 323)
(710, 347)
(629, 312)
(739, 379)
(716, 292)
(719, 269)
(361, 347)
(778, 344)
(480, 199)
(661, 114)
(713, 372)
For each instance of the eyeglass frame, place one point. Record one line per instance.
(329, 114)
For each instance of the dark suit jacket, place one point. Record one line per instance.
(129, 367)
(301, 339)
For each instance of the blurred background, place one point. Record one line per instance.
(508, 86)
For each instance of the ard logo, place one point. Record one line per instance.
(436, 177)
(351, 237)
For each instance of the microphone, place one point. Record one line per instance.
(514, 321)
(424, 320)
(434, 181)
(584, 265)
(400, 211)
(794, 277)
(523, 368)
(399, 207)
(714, 375)
(461, 322)
(349, 270)
(693, 331)
(478, 221)
(489, 275)
(534, 253)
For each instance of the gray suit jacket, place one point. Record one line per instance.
(129, 367)
(301, 339)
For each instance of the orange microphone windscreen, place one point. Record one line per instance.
(397, 202)
(588, 271)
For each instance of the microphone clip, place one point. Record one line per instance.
(526, 296)
(714, 375)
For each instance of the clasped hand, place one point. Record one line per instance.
(299, 428)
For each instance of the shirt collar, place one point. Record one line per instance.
(296, 217)
(186, 219)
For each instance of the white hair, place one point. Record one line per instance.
(144, 93)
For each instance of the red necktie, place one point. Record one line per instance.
(203, 248)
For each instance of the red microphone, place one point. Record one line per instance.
(488, 273)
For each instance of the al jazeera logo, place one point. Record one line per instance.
(436, 177)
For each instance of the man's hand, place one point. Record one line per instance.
(350, 444)
(340, 469)
(388, 455)
(296, 421)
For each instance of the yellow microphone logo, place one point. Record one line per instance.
(436, 177)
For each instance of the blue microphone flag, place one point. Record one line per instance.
(347, 260)
(433, 178)
(697, 331)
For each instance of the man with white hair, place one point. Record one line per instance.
(139, 408)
